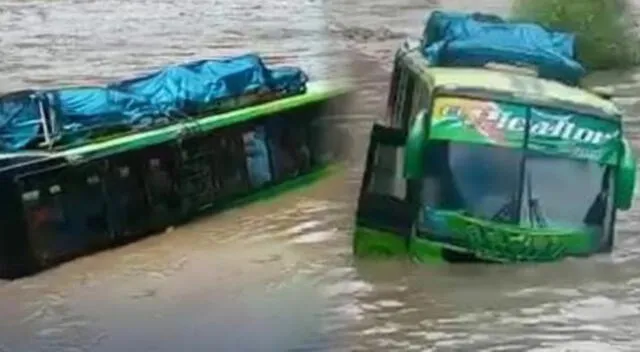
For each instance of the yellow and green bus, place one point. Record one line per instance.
(491, 164)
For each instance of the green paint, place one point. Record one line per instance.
(426, 251)
(477, 121)
(509, 243)
(415, 146)
(551, 131)
(368, 242)
(574, 135)
(626, 178)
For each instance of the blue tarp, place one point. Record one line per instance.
(473, 40)
(19, 119)
(175, 92)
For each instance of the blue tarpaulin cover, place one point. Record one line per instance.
(473, 40)
(175, 92)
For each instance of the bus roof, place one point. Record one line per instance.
(317, 91)
(520, 85)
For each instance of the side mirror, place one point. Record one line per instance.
(625, 178)
(414, 155)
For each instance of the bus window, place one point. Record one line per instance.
(420, 101)
(402, 109)
(230, 171)
(406, 105)
(382, 201)
(384, 218)
(386, 173)
(393, 91)
(257, 156)
(288, 142)
(399, 98)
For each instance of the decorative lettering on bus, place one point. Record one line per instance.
(564, 127)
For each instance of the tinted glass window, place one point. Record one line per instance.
(477, 179)
(289, 146)
(387, 172)
(230, 172)
(564, 193)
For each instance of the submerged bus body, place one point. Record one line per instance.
(490, 164)
(247, 140)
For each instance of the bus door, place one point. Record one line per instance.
(384, 217)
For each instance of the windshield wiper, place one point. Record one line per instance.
(536, 216)
(598, 210)
(507, 211)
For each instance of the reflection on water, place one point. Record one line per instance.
(279, 275)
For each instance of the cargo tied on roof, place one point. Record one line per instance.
(71, 115)
(474, 40)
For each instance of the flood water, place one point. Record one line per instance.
(279, 276)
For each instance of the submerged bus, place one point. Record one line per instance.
(491, 164)
(85, 168)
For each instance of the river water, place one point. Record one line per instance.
(279, 276)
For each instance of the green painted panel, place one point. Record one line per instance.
(550, 131)
(508, 243)
(426, 251)
(626, 178)
(368, 242)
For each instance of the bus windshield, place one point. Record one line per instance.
(565, 193)
(477, 179)
(509, 185)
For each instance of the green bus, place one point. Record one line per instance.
(155, 152)
(491, 164)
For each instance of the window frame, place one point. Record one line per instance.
(386, 211)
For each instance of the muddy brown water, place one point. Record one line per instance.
(278, 275)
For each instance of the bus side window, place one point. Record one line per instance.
(421, 95)
(386, 171)
(257, 156)
(408, 100)
(230, 171)
(399, 97)
(383, 197)
(404, 94)
(393, 92)
(288, 142)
